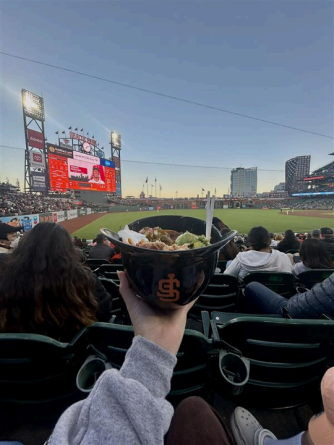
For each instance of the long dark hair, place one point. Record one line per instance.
(314, 254)
(44, 288)
(259, 238)
(289, 242)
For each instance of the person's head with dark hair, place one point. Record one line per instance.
(258, 238)
(314, 254)
(289, 235)
(218, 223)
(101, 239)
(44, 287)
(9, 233)
(326, 232)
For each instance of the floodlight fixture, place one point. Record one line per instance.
(33, 105)
(115, 140)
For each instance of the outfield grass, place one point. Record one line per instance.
(239, 219)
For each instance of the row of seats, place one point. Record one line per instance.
(223, 291)
(286, 360)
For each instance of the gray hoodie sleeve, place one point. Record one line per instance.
(126, 406)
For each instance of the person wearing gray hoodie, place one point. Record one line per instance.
(260, 257)
(129, 406)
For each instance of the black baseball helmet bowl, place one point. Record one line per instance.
(170, 278)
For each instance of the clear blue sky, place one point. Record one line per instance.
(269, 59)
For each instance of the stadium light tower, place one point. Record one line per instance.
(116, 146)
(35, 178)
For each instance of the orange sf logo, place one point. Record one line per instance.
(168, 289)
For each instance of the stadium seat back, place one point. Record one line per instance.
(38, 373)
(118, 306)
(190, 372)
(311, 277)
(287, 357)
(94, 264)
(282, 283)
(222, 265)
(220, 295)
(110, 271)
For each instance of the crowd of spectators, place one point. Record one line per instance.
(16, 203)
(295, 203)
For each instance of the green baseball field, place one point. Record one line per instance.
(239, 219)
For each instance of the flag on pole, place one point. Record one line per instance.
(155, 180)
(146, 180)
(70, 128)
(215, 191)
(63, 132)
(57, 132)
(76, 129)
(160, 188)
(203, 190)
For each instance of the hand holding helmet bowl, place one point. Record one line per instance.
(170, 279)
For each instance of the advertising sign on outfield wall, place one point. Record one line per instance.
(59, 217)
(82, 212)
(89, 211)
(26, 221)
(46, 217)
(71, 214)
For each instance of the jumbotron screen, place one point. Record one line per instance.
(74, 170)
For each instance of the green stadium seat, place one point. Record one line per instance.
(220, 295)
(282, 283)
(287, 358)
(110, 271)
(311, 277)
(222, 265)
(94, 264)
(38, 374)
(118, 306)
(189, 376)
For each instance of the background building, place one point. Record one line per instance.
(295, 170)
(244, 182)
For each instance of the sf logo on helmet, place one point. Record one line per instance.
(168, 288)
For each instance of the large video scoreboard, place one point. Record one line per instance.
(69, 169)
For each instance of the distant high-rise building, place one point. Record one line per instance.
(244, 182)
(295, 170)
(280, 187)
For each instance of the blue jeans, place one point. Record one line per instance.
(261, 300)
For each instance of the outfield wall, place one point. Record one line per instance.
(29, 221)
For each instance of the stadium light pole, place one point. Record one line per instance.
(34, 117)
(116, 146)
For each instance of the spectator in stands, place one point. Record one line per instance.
(258, 299)
(8, 237)
(117, 256)
(313, 255)
(102, 249)
(129, 406)
(278, 237)
(289, 242)
(218, 223)
(77, 242)
(45, 289)
(320, 428)
(260, 257)
(273, 242)
(326, 236)
(230, 251)
(316, 233)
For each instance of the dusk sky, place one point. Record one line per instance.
(268, 59)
